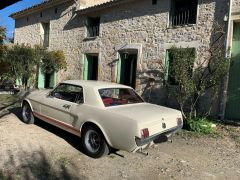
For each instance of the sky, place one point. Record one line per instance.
(7, 21)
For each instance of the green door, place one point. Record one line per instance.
(127, 67)
(233, 103)
(46, 80)
(91, 67)
(41, 79)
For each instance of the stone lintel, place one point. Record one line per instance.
(191, 44)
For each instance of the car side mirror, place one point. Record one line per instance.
(50, 94)
(56, 95)
(80, 101)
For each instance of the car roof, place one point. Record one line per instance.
(95, 84)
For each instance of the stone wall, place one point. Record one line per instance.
(236, 6)
(138, 25)
(236, 3)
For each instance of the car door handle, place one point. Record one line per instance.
(66, 106)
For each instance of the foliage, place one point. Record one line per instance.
(4, 66)
(2, 51)
(2, 34)
(200, 125)
(4, 70)
(180, 74)
(22, 62)
(196, 79)
(53, 61)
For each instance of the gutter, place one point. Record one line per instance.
(227, 56)
(36, 8)
(103, 6)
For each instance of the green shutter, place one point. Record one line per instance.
(85, 67)
(167, 65)
(119, 69)
(53, 79)
(233, 103)
(41, 79)
(18, 82)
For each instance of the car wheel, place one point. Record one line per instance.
(27, 114)
(94, 142)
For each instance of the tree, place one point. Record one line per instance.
(53, 61)
(4, 66)
(2, 34)
(192, 83)
(22, 62)
(180, 82)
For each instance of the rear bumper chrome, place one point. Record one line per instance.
(142, 142)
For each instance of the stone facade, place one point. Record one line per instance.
(236, 10)
(236, 4)
(135, 25)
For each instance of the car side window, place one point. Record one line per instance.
(68, 92)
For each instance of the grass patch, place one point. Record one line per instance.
(7, 99)
(200, 125)
(2, 177)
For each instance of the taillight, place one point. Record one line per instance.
(145, 133)
(179, 121)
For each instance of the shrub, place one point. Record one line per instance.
(191, 80)
(200, 125)
(53, 61)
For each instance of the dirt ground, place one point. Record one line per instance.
(41, 151)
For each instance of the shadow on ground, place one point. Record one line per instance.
(38, 165)
(73, 140)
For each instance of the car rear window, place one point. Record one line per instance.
(119, 96)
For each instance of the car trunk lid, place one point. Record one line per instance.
(155, 118)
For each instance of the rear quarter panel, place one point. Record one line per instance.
(119, 131)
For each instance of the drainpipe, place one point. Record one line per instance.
(228, 56)
(229, 30)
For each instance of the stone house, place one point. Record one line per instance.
(123, 41)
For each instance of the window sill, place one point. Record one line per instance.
(181, 26)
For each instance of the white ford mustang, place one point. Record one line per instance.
(105, 115)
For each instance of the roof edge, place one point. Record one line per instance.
(102, 6)
(36, 8)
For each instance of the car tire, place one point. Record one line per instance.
(94, 143)
(27, 114)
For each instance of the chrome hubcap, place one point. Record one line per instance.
(92, 141)
(27, 113)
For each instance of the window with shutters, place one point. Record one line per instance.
(93, 26)
(183, 12)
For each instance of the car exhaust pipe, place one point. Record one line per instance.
(140, 151)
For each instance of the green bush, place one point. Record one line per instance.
(53, 61)
(200, 125)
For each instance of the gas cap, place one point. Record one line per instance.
(164, 125)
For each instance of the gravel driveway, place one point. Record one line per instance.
(42, 151)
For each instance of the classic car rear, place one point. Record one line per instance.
(105, 115)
